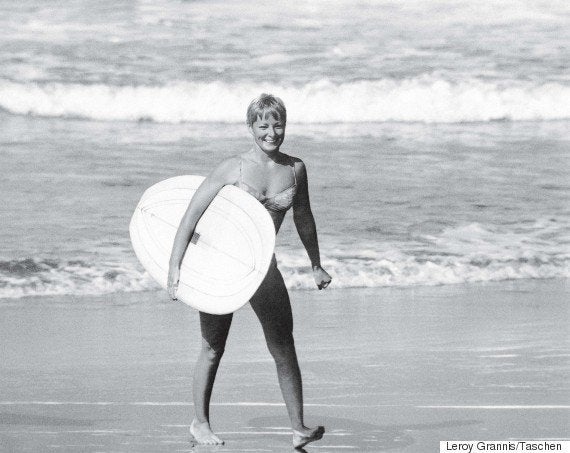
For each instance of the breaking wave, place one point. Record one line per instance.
(48, 277)
(463, 257)
(422, 99)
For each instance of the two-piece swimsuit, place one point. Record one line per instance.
(275, 204)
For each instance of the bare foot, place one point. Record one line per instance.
(204, 434)
(307, 435)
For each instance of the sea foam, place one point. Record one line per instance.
(49, 277)
(422, 99)
(465, 253)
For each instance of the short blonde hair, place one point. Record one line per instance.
(266, 103)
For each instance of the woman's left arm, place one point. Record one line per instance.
(305, 223)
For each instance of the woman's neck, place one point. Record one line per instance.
(265, 157)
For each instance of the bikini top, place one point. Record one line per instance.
(278, 203)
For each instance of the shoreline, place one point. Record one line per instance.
(383, 368)
(156, 295)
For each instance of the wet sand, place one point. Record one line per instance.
(384, 369)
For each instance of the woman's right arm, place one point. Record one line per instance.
(225, 173)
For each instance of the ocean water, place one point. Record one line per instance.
(435, 133)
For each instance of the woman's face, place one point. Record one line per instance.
(268, 132)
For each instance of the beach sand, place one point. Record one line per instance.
(395, 369)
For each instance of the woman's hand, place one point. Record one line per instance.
(322, 278)
(172, 283)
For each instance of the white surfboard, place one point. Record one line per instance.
(228, 255)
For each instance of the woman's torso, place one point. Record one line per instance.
(258, 183)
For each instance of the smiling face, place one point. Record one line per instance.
(268, 132)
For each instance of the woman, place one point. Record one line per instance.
(261, 171)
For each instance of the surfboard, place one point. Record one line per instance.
(228, 255)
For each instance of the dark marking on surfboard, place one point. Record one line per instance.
(195, 238)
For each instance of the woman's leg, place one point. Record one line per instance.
(215, 330)
(272, 307)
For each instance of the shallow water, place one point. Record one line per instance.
(437, 147)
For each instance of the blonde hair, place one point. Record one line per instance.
(266, 103)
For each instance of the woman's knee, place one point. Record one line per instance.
(212, 352)
(281, 347)
(215, 329)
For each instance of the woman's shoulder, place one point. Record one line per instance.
(293, 161)
(227, 171)
(298, 167)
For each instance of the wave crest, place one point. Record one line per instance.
(421, 99)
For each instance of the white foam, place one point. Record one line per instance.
(461, 254)
(41, 278)
(423, 99)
